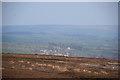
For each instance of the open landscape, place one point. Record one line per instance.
(57, 51)
(60, 40)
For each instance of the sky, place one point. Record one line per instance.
(59, 13)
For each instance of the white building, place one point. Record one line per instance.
(68, 48)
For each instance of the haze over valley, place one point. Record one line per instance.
(62, 40)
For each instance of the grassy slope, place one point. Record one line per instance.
(42, 66)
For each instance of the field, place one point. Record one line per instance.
(59, 51)
(83, 41)
(46, 66)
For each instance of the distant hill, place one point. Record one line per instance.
(109, 31)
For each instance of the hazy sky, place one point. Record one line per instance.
(60, 13)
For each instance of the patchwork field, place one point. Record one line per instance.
(83, 41)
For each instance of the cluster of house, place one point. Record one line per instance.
(62, 54)
(47, 52)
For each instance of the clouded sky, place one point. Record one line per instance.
(60, 13)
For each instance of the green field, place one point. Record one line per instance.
(84, 42)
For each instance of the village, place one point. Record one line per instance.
(58, 51)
